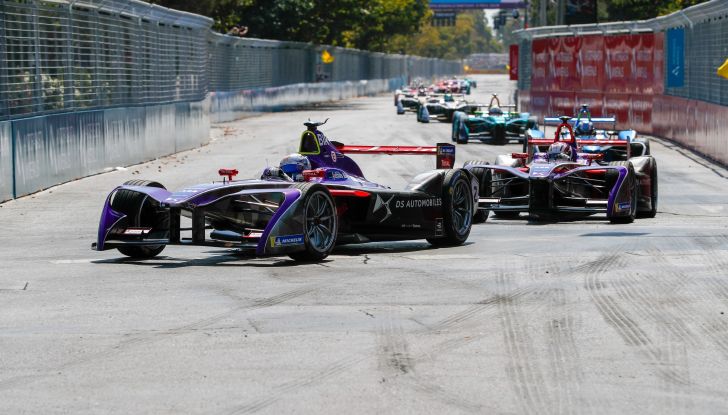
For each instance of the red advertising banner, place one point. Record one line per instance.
(540, 62)
(591, 64)
(643, 63)
(658, 56)
(513, 62)
(618, 63)
(615, 75)
(564, 57)
(614, 64)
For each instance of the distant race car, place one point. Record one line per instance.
(490, 124)
(442, 107)
(452, 86)
(557, 179)
(410, 99)
(312, 202)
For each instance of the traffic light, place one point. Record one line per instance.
(500, 19)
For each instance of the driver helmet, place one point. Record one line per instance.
(559, 151)
(583, 128)
(294, 165)
(495, 111)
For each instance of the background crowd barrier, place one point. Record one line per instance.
(85, 86)
(657, 76)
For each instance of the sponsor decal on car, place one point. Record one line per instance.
(443, 150)
(137, 231)
(335, 175)
(286, 240)
(418, 203)
(379, 204)
(439, 227)
(624, 206)
(333, 156)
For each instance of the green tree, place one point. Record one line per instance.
(618, 10)
(470, 34)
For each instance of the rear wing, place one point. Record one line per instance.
(616, 143)
(594, 120)
(444, 152)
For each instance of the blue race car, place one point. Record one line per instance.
(557, 179)
(490, 124)
(303, 208)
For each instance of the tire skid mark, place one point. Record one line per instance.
(679, 400)
(327, 372)
(523, 369)
(630, 290)
(478, 308)
(398, 365)
(442, 395)
(490, 303)
(394, 352)
(567, 375)
(395, 344)
(715, 329)
(625, 326)
(157, 336)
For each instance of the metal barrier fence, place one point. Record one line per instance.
(705, 47)
(65, 55)
(239, 63)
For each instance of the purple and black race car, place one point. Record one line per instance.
(302, 209)
(558, 179)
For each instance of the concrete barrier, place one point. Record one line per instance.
(228, 106)
(53, 149)
(6, 161)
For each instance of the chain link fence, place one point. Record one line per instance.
(239, 63)
(65, 55)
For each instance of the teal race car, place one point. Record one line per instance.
(491, 124)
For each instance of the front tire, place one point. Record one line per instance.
(141, 211)
(457, 206)
(320, 225)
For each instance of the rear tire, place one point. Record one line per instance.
(483, 176)
(140, 212)
(634, 188)
(653, 194)
(457, 206)
(320, 224)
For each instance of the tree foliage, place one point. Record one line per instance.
(377, 25)
(470, 34)
(352, 23)
(617, 10)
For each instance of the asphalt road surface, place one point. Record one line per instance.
(579, 317)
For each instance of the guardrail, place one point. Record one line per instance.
(658, 76)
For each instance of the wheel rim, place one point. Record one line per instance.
(462, 207)
(320, 222)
